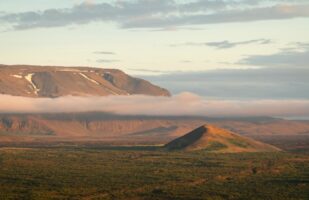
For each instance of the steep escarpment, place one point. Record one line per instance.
(93, 125)
(23, 125)
(46, 81)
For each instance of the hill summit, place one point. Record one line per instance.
(214, 139)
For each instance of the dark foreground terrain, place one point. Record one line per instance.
(150, 173)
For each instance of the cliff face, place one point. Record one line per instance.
(21, 125)
(43, 81)
(28, 124)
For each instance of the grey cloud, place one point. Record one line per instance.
(228, 16)
(291, 57)
(296, 46)
(174, 28)
(159, 13)
(104, 52)
(107, 61)
(145, 70)
(186, 61)
(225, 44)
(302, 45)
(86, 13)
(263, 83)
(206, 5)
(283, 75)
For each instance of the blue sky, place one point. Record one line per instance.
(167, 40)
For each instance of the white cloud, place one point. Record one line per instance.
(182, 104)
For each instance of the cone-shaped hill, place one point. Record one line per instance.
(214, 139)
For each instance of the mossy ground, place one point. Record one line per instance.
(137, 173)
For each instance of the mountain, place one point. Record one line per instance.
(214, 139)
(106, 128)
(47, 81)
(85, 127)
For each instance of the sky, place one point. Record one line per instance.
(219, 49)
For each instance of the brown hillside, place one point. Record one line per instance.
(45, 81)
(214, 139)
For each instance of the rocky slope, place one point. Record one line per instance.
(214, 139)
(46, 81)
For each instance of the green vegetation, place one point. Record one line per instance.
(215, 146)
(125, 173)
(239, 143)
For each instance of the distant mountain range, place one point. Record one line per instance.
(105, 128)
(48, 81)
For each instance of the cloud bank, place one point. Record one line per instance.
(294, 57)
(263, 83)
(160, 13)
(182, 104)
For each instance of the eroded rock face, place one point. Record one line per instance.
(42, 81)
(23, 125)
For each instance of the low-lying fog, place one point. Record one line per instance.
(181, 104)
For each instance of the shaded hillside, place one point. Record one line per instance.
(45, 81)
(214, 139)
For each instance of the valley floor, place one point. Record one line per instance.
(150, 173)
